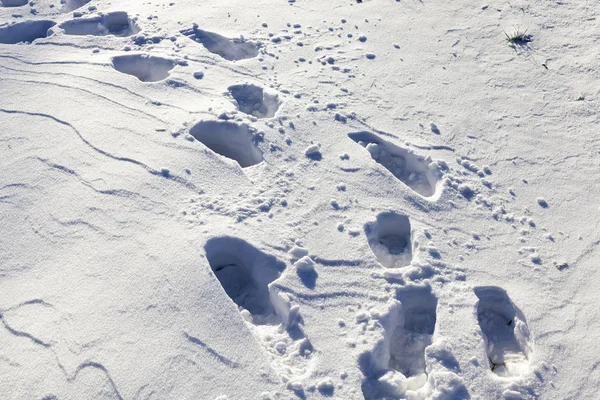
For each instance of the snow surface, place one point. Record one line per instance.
(286, 199)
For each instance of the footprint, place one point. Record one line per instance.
(390, 239)
(144, 67)
(254, 100)
(229, 49)
(415, 171)
(115, 23)
(72, 5)
(25, 32)
(407, 346)
(230, 140)
(246, 274)
(505, 330)
(13, 3)
(397, 363)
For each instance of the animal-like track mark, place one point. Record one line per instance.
(25, 32)
(397, 363)
(390, 239)
(115, 23)
(236, 142)
(229, 49)
(13, 3)
(415, 171)
(254, 100)
(505, 330)
(246, 274)
(145, 67)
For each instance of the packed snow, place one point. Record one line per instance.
(299, 199)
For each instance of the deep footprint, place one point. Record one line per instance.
(115, 23)
(253, 100)
(25, 32)
(230, 140)
(407, 346)
(413, 170)
(246, 274)
(13, 3)
(390, 239)
(505, 330)
(144, 67)
(229, 49)
(397, 363)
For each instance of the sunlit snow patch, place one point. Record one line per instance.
(397, 362)
(390, 239)
(417, 172)
(25, 32)
(254, 100)
(230, 49)
(230, 140)
(115, 23)
(144, 67)
(507, 337)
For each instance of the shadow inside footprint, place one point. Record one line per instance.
(397, 362)
(505, 331)
(254, 100)
(245, 273)
(13, 3)
(407, 347)
(230, 140)
(144, 67)
(25, 32)
(410, 168)
(390, 239)
(71, 5)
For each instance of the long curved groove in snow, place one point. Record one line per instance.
(22, 334)
(88, 92)
(211, 351)
(95, 365)
(153, 171)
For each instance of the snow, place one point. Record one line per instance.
(280, 199)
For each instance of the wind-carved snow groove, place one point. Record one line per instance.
(115, 23)
(25, 32)
(152, 171)
(390, 239)
(102, 368)
(417, 172)
(254, 100)
(145, 67)
(397, 362)
(21, 333)
(230, 140)
(247, 276)
(211, 351)
(229, 49)
(505, 331)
